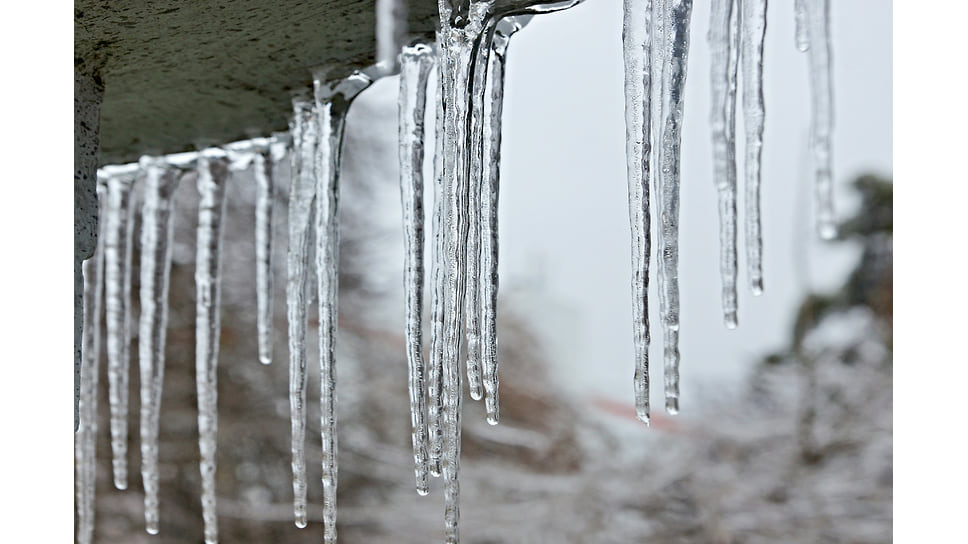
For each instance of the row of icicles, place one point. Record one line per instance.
(469, 55)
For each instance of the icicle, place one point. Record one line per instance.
(333, 100)
(301, 194)
(488, 205)
(802, 32)
(676, 48)
(435, 408)
(458, 55)
(156, 246)
(119, 221)
(475, 146)
(416, 63)
(754, 31)
(636, 37)
(262, 168)
(821, 125)
(391, 31)
(85, 441)
(212, 176)
(724, 40)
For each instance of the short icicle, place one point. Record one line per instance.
(213, 173)
(754, 111)
(85, 440)
(802, 33)
(302, 192)
(676, 44)
(119, 219)
(262, 164)
(156, 246)
(333, 100)
(416, 62)
(637, 54)
(821, 124)
(724, 38)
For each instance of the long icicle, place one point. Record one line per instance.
(85, 440)
(117, 255)
(676, 45)
(332, 104)
(416, 62)
(302, 192)
(262, 164)
(483, 178)
(754, 112)
(637, 37)
(156, 246)
(821, 124)
(475, 147)
(724, 38)
(488, 204)
(213, 173)
(458, 56)
(435, 407)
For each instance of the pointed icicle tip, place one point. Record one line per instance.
(757, 287)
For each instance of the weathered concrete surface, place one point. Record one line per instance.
(87, 105)
(178, 75)
(181, 74)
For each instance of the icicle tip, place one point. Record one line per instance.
(827, 231)
(756, 286)
(672, 405)
(643, 416)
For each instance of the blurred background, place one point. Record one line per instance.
(785, 427)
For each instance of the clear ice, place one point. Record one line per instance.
(821, 124)
(637, 55)
(435, 407)
(754, 32)
(262, 164)
(119, 219)
(333, 99)
(724, 40)
(156, 246)
(457, 47)
(676, 15)
(416, 61)
(213, 174)
(302, 192)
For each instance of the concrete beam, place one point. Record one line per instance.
(88, 92)
(183, 74)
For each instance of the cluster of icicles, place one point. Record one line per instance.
(469, 55)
